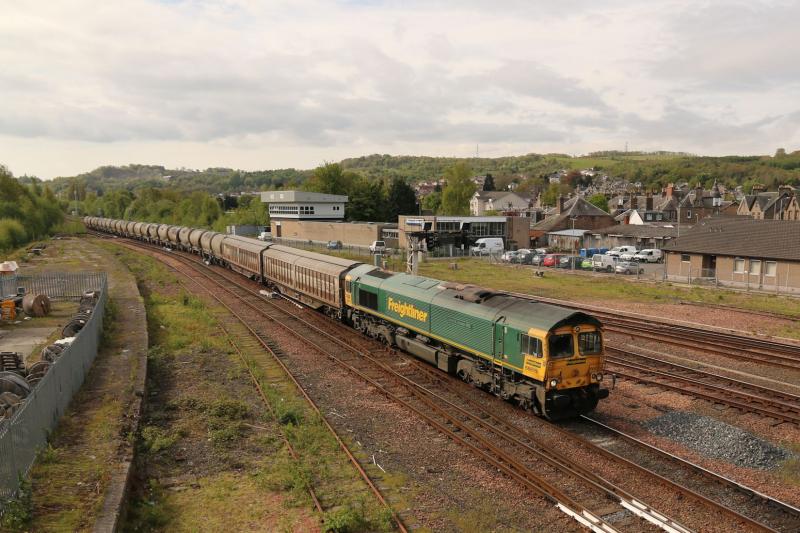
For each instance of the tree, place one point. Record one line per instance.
(780, 152)
(330, 179)
(367, 201)
(488, 184)
(599, 200)
(458, 191)
(401, 200)
(433, 202)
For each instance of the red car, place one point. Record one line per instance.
(551, 260)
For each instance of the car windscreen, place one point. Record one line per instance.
(561, 346)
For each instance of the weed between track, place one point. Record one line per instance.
(210, 457)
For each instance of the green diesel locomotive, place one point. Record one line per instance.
(546, 358)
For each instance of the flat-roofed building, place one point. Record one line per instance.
(304, 205)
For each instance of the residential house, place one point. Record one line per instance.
(483, 201)
(573, 213)
(764, 205)
(738, 252)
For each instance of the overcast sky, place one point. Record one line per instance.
(258, 85)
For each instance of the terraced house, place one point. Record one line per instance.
(738, 252)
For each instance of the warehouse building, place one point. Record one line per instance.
(738, 252)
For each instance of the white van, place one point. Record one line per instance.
(605, 262)
(488, 246)
(648, 255)
(619, 250)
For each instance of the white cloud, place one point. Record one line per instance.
(251, 84)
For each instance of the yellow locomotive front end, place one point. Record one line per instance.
(573, 368)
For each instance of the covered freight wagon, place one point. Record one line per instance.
(314, 279)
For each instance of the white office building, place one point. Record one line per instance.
(302, 205)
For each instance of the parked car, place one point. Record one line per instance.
(377, 247)
(629, 267)
(570, 261)
(537, 259)
(334, 245)
(619, 250)
(509, 256)
(586, 264)
(523, 257)
(540, 251)
(265, 236)
(605, 262)
(649, 255)
(551, 260)
(487, 246)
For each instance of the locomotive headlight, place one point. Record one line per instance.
(553, 382)
(600, 377)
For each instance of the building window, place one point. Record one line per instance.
(448, 226)
(689, 213)
(755, 267)
(770, 268)
(685, 258)
(738, 265)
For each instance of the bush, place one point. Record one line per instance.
(12, 234)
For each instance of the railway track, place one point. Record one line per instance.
(649, 460)
(462, 426)
(716, 388)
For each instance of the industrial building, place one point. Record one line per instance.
(460, 232)
(323, 232)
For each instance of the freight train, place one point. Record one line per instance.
(543, 357)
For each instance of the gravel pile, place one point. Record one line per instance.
(718, 440)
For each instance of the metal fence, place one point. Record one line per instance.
(26, 432)
(56, 285)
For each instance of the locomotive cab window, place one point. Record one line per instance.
(561, 346)
(367, 299)
(530, 345)
(590, 343)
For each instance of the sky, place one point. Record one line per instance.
(273, 84)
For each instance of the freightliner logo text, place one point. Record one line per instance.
(407, 310)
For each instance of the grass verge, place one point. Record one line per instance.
(207, 443)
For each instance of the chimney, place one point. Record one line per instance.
(627, 219)
(788, 190)
(634, 202)
(560, 204)
(757, 188)
(670, 190)
(649, 202)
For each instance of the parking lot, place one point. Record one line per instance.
(582, 265)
